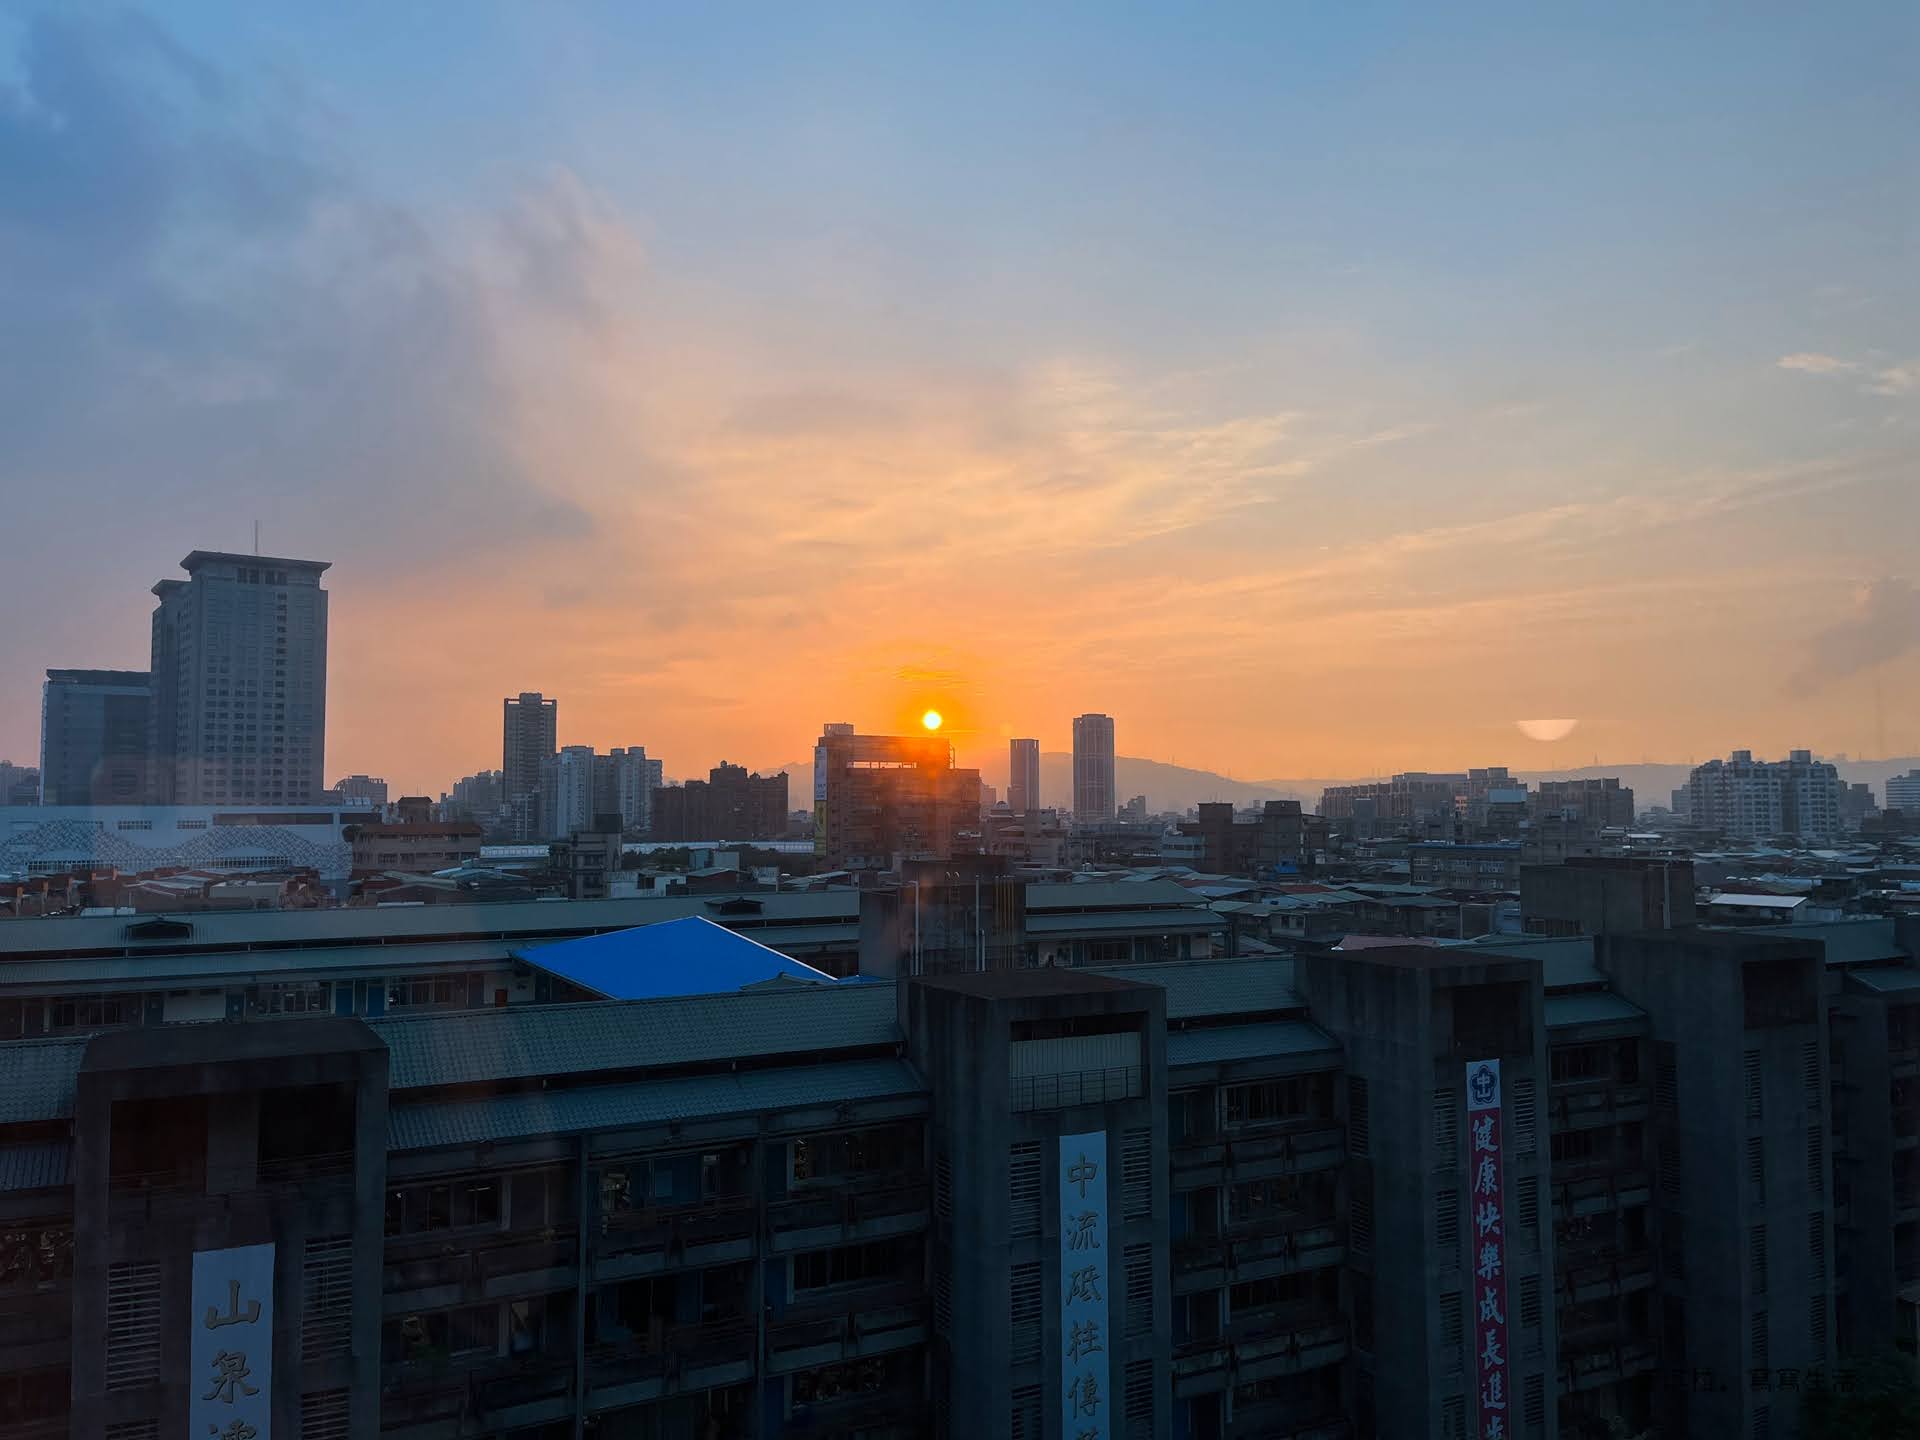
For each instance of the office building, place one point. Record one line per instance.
(529, 739)
(877, 798)
(1599, 804)
(239, 682)
(1758, 799)
(1093, 782)
(1023, 776)
(417, 847)
(1903, 792)
(93, 737)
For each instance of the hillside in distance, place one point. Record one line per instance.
(1179, 788)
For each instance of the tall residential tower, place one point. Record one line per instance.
(1093, 767)
(1023, 776)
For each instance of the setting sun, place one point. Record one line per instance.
(931, 719)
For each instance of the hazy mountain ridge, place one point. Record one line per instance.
(1178, 787)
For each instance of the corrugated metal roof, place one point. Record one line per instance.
(1125, 922)
(1887, 979)
(510, 919)
(1590, 1007)
(468, 1046)
(240, 966)
(1564, 963)
(40, 1166)
(1847, 942)
(36, 1078)
(1217, 987)
(1216, 1043)
(688, 956)
(647, 1102)
(1108, 895)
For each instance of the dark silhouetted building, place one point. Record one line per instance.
(530, 733)
(1093, 782)
(879, 797)
(1603, 804)
(1023, 776)
(1606, 895)
(730, 804)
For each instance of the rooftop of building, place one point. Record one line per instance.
(1031, 984)
(688, 956)
(1198, 989)
(196, 558)
(130, 679)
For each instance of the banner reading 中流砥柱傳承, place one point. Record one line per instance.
(1084, 1271)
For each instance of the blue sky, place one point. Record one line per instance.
(1382, 354)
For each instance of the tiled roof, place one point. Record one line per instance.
(1215, 1043)
(1217, 987)
(467, 1046)
(38, 1166)
(1590, 1007)
(647, 1102)
(36, 1078)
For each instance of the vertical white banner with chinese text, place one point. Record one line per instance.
(1488, 1201)
(1085, 1270)
(231, 1392)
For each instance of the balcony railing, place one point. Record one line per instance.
(1598, 1281)
(675, 1230)
(470, 1260)
(865, 1206)
(306, 1169)
(896, 1405)
(673, 1354)
(1589, 1369)
(860, 1321)
(1286, 1342)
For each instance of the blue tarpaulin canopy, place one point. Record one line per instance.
(689, 956)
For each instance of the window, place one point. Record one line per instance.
(1299, 1097)
(1446, 1223)
(324, 1415)
(856, 1152)
(1023, 1189)
(133, 1325)
(1139, 1397)
(1526, 1196)
(1530, 1301)
(326, 1318)
(1446, 1130)
(1026, 1312)
(1816, 1162)
(1533, 1409)
(1136, 1174)
(1138, 1263)
(1757, 1258)
(1026, 1413)
(1359, 1135)
(1752, 1072)
(1452, 1331)
(1523, 1116)
(1360, 1217)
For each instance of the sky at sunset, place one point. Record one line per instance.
(1319, 390)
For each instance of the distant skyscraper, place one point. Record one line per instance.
(1093, 767)
(1023, 776)
(239, 682)
(93, 737)
(623, 785)
(528, 737)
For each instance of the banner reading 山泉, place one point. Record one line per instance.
(230, 1348)
(1487, 1201)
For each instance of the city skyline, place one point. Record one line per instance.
(1418, 392)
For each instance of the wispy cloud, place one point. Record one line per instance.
(1883, 624)
(1877, 377)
